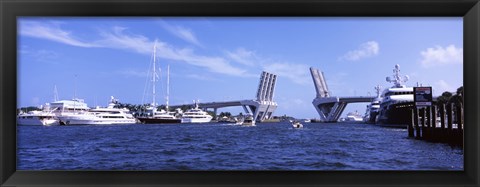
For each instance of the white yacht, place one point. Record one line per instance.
(396, 103)
(76, 112)
(248, 121)
(353, 117)
(112, 115)
(297, 124)
(40, 118)
(373, 108)
(196, 115)
(69, 107)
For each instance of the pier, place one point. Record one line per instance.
(442, 124)
(329, 107)
(262, 107)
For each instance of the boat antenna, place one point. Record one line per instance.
(397, 79)
(377, 90)
(75, 93)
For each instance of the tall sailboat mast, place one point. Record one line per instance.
(168, 87)
(154, 75)
(55, 94)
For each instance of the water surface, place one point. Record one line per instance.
(217, 146)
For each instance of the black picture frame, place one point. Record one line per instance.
(11, 9)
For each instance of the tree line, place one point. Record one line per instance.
(448, 97)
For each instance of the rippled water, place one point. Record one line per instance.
(217, 146)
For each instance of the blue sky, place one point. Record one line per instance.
(220, 59)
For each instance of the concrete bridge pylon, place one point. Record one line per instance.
(261, 108)
(329, 107)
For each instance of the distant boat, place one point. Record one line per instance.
(196, 115)
(152, 115)
(248, 121)
(297, 124)
(354, 117)
(238, 121)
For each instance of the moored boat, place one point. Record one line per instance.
(152, 115)
(37, 118)
(196, 115)
(98, 116)
(396, 103)
(373, 108)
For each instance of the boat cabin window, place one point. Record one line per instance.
(398, 93)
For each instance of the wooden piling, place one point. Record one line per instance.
(417, 124)
(410, 126)
(459, 116)
(424, 122)
(427, 128)
(434, 131)
(450, 117)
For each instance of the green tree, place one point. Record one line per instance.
(458, 97)
(444, 98)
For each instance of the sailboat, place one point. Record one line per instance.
(152, 114)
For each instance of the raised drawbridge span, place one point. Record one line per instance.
(262, 107)
(329, 107)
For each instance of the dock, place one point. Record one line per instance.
(447, 126)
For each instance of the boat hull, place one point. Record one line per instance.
(371, 118)
(93, 121)
(397, 115)
(37, 122)
(158, 120)
(196, 120)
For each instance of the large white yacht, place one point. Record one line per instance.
(112, 115)
(69, 107)
(76, 112)
(44, 117)
(396, 103)
(196, 115)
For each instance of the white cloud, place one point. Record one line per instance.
(367, 49)
(118, 38)
(133, 73)
(439, 55)
(141, 44)
(201, 77)
(297, 73)
(243, 56)
(442, 86)
(138, 43)
(50, 31)
(181, 32)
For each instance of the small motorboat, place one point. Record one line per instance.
(297, 124)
